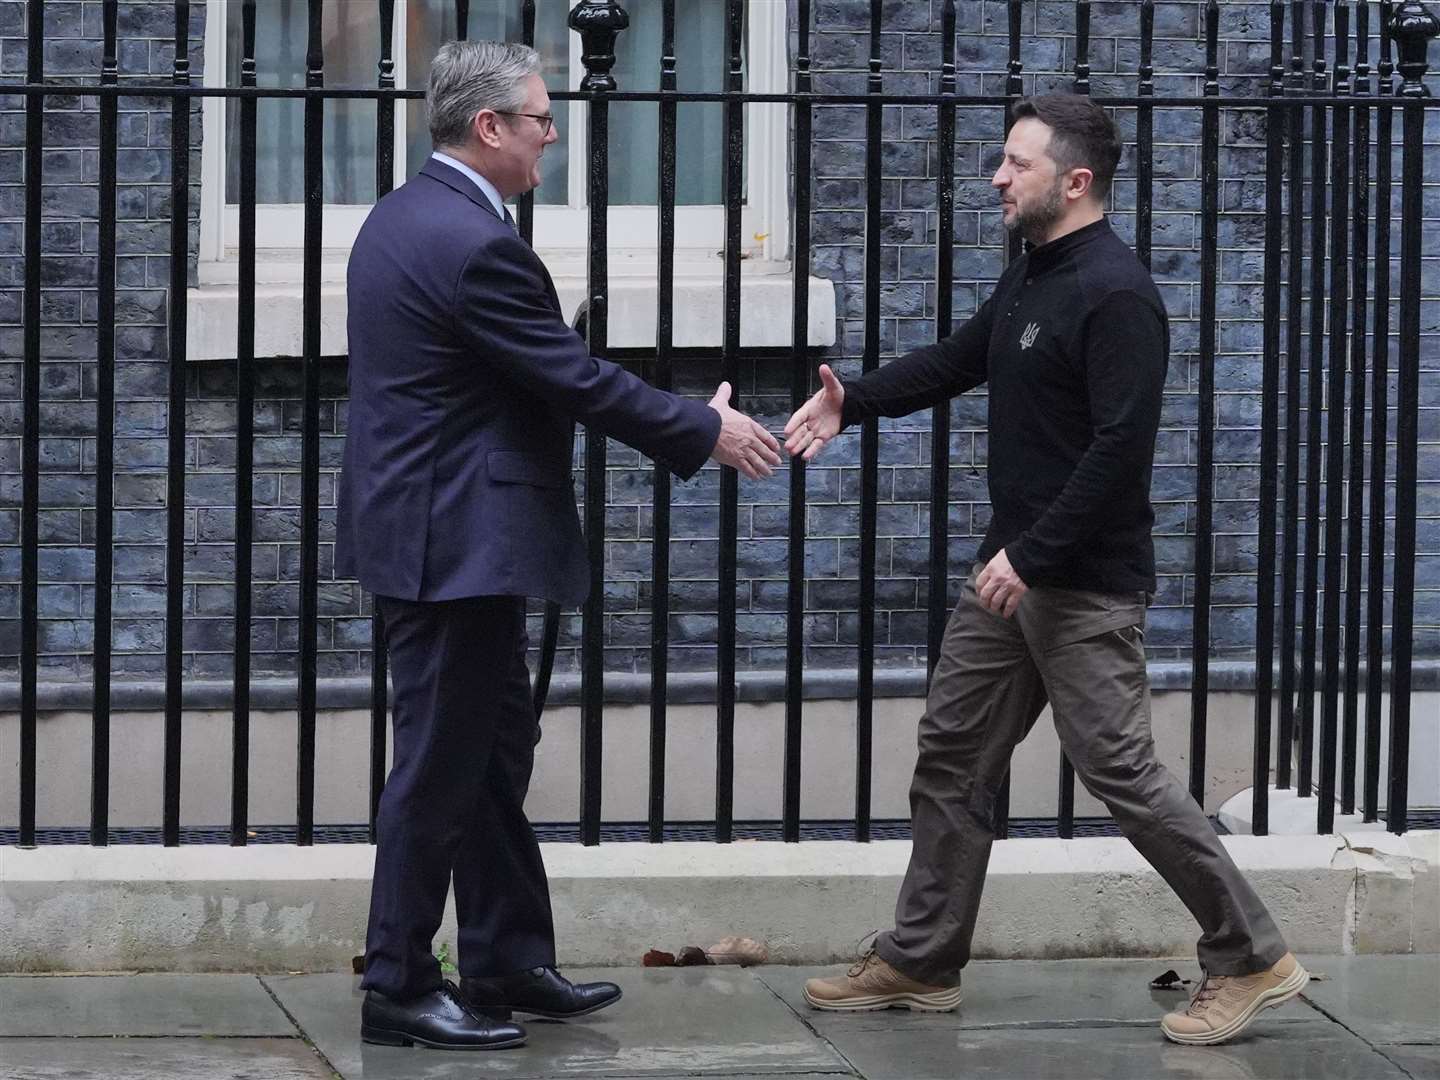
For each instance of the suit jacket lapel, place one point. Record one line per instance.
(458, 181)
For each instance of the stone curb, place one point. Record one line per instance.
(282, 908)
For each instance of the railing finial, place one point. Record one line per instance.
(598, 22)
(1412, 26)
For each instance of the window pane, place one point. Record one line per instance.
(431, 23)
(700, 62)
(351, 40)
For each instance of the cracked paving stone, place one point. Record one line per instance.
(159, 1059)
(139, 1005)
(1383, 999)
(1313, 1050)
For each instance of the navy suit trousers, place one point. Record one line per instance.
(453, 805)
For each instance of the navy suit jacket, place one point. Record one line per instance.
(465, 385)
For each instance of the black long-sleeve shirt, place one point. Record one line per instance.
(1073, 346)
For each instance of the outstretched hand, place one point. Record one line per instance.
(743, 444)
(817, 421)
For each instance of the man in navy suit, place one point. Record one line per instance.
(456, 504)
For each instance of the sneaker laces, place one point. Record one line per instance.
(1209, 988)
(865, 951)
(858, 968)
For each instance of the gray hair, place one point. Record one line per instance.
(467, 76)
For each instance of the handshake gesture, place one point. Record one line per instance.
(747, 447)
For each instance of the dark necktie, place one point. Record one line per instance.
(510, 221)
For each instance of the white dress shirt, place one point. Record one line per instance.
(484, 185)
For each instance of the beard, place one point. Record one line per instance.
(1034, 221)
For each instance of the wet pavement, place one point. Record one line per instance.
(1368, 1018)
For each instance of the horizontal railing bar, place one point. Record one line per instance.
(962, 100)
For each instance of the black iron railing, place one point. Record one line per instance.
(1340, 109)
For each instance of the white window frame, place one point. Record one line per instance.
(558, 228)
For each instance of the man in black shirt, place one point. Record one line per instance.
(1072, 347)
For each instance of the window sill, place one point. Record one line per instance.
(767, 299)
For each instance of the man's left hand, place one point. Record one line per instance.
(999, 586)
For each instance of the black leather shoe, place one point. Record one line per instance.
(438, 1019)
(541, 991)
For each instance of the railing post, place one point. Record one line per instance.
(30, 424)
(1314, 401)
(1355, 487)
(175, 428)
(1205, 452)
(1334, 461)
(1145, 138)
(244, 441)
(937, 590)
(598, 22)
(1413, 27)
(384, 183)
(105, 437)
(802, 129)
(1014, 88)
(663, 378)
(314, 171)
(1269, 425)
(525, 204)
(1379, 410)
(732, 183)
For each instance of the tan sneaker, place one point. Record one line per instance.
(1224, 1005)
(871, 983)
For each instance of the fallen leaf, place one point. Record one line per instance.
(691, 956)
(1170, 980)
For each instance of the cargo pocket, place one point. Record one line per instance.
(1098, 691)
(1074, 615)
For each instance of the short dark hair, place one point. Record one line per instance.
(1082, 135)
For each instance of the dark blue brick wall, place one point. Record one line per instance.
(910, 53)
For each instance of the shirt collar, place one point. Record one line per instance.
(1047, 256)
(484, 185)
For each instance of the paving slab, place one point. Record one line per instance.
(1383, 999)
(1418, 1061)
(1019, 993)
(139, 1005)
(1313, 1050)
(160, 1059)
(691, 1022)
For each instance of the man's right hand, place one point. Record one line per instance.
(743, 444)
(817, 421)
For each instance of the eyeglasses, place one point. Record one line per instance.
(546, 120)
